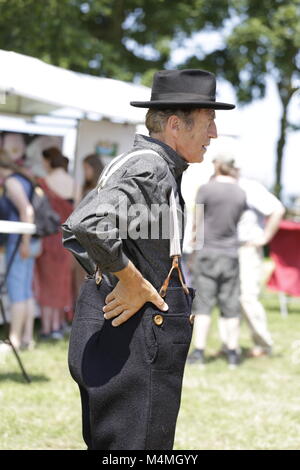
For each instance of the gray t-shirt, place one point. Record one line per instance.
(224, 203)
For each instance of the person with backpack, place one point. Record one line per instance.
(20, 252)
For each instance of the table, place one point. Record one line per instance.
(8, 226)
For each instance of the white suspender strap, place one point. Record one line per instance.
(117, 163)
(175, 247)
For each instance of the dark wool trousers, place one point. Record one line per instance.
(130, 376)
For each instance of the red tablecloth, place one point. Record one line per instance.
(285, 251)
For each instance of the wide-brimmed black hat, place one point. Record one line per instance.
(191, 88)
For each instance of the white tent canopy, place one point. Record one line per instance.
(29, 86)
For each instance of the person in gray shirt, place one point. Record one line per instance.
(216, 265)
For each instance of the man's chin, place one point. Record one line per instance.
(199, 158)
(196, 158)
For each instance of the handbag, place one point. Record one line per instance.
(130, 376)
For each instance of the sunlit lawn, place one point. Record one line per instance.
(254, 407)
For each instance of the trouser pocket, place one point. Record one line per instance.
(167, 338)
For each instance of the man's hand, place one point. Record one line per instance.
(129, 295)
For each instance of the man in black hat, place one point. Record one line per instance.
(131, 398)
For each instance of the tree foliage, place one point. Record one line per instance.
(127, 39)
(115, 38)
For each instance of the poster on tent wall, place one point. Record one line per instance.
(26, 149)
(107, 150)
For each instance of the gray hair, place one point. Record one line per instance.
(156, 119)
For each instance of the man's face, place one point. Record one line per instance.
(191, 144)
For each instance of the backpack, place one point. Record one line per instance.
(47, 221)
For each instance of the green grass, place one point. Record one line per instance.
(44, 414)
(256, 406)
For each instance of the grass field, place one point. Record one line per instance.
(256, 406)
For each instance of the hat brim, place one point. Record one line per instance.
(182, 104)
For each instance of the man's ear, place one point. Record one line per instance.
(174, 123)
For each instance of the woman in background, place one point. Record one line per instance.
(18, 190)
(54, 266)
(92, 168)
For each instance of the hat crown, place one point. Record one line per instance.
(188, 81)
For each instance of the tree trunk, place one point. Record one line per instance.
(286, 94)
(285, 91)
(280, 147)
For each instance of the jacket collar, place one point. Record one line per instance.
(176, 163)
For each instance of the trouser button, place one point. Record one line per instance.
(158, 320)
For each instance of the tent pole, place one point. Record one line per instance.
(76, 170)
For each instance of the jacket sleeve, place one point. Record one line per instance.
(91, 232)
(71, 243)
(94, 231)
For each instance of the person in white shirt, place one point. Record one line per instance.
(256, 228)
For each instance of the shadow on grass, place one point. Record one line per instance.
(244, 357)
(18, 377)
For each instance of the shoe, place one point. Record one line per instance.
(196, 357)
(57, 335)
(233, 358)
